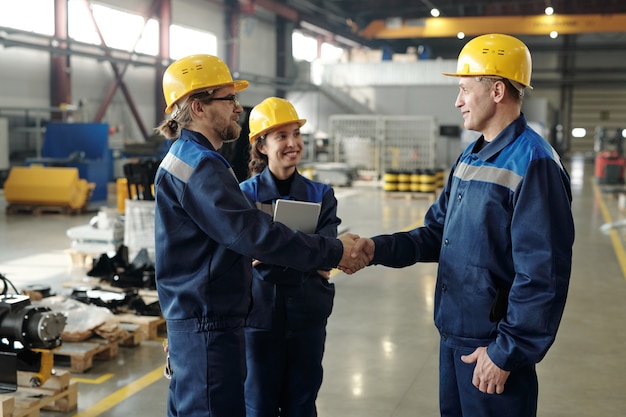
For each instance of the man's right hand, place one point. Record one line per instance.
(364, 246)
(353, 259)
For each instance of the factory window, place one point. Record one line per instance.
(203, 42)
(109, 23)
(136, 36)
(305, 48)
(19, 15)
(331, 52)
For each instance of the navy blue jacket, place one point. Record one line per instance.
(206, 234)
(503, 222)
(311, 296)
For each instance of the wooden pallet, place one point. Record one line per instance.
(79, 356)
(58, 393)
(134, 335)
(149, 325)
(81, 258)
(38, 210)
(138, 328)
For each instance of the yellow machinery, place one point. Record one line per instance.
(47, 186)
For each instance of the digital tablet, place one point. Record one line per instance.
(297, 215)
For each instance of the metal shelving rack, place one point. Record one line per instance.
(381, 143)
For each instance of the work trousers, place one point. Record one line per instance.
(209, 370)
(284, 371)
(459, 398)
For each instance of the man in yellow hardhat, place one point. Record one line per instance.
(206, 235)
(502, 231)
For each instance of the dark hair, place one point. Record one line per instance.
(182, 115)
(258, 161)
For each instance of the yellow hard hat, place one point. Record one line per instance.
(196, 72)
(271, 112)
(495, 55)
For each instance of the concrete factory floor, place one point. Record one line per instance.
(381, 355)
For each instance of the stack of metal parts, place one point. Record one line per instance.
(122, 282)
(118, 272)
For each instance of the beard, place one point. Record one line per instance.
(230, 133)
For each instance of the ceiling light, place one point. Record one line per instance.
(434, 11)
(460, 35)
(549, 11)
(554, 34)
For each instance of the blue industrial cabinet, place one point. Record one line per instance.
(81, 145)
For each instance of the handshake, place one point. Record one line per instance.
(358, 252)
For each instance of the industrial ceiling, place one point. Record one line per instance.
(400, 24)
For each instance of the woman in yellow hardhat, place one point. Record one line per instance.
(286, 328)
(206, 233)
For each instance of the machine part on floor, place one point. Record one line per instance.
(141, 272)
(103, 268)
(134, 278)
(38, 361)
(29, 325)
(112, 300)
(8, 371)
(42, 289)
(47, 186)
(119, 273)
(142, 309)
(104, 233)
(28, 335)
(37, 292)
(610, 161)
(116, 300)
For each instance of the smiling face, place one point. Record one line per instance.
(476, 102)
(283, 147)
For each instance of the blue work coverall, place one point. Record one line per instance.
(286, 328)
(502, 231)
(207, 233)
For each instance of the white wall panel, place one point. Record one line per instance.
(389, 73)
(4, 143)
(200, 15)
(257, 56)
(24, 78)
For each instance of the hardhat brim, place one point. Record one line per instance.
(238, 85)
(252, 138)
(464, 74)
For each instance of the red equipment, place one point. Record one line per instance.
(610, 161)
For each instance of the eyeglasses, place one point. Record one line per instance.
(234, 99)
